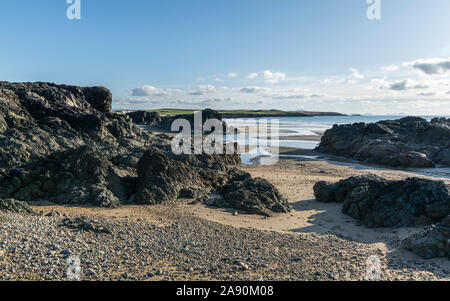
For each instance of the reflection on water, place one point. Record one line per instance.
(313, 126)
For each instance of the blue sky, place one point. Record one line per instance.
(229, 54)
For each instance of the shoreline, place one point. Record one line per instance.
(328, 244)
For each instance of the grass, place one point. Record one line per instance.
(247, 113)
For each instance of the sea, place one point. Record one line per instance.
(310, 126)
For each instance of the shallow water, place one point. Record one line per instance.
(311, 126)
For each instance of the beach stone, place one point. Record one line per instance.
(378, 202)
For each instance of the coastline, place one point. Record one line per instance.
(315, 241)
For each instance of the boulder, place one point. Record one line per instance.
(15, 206)
(253, 195)
(378, 202)
(432, 242)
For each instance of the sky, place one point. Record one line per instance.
(322, 55)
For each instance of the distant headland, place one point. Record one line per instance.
(251, 113)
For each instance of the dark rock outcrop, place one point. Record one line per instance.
(406, 142)
(15, 206)
(60, 143)
(165, 122)
(85, 223)
(378, 202)
(253, 195)
(146, 118)
(57, 143)
(165, 178)
(433, 242)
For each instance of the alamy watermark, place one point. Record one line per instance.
(73, 12)
(257, 137)
(373, 268)
(374, 10)
(73, 271)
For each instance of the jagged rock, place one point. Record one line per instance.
(406, 142)
(147, 118)
(85, 223)
(383, 203)
(433, 242)
(60, 144)
(165, 122)
(11, 205)
(161, 178)
(191, 193)
(256, 195)
(164, 178)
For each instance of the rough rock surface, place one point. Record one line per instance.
(165, 122)
(58, 143)
(383, 203)
(253, 195)
(85, 223)
(433, 242)
(11, 205)
(164, 177)
(61, 144)
(406, 142)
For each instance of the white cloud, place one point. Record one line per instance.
(252, 75)
(148, 90)
(356, 74)
(389, 68)
(273, 77)
(204, 89)
(233, 74)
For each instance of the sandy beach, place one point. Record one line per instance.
(328, 244)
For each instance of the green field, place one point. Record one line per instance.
(249, 113)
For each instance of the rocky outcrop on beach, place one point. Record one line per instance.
(406, 142)
(432, 242)
(15, 206)
(62, 144)
(165, 178)
(58, 143)
(156, 120)
(378, 202)
(249, 194)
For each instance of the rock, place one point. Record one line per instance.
(99, 97)
(11, 205)
(53, 213)
(406, 142)
(165, 122)
(190, 193)
(383, 203)
(144, 117)
(58, 143)
(324, 192)
(84, 223)
(257, 196)
(161, 178)
(433, 242)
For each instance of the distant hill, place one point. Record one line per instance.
(251, 113)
